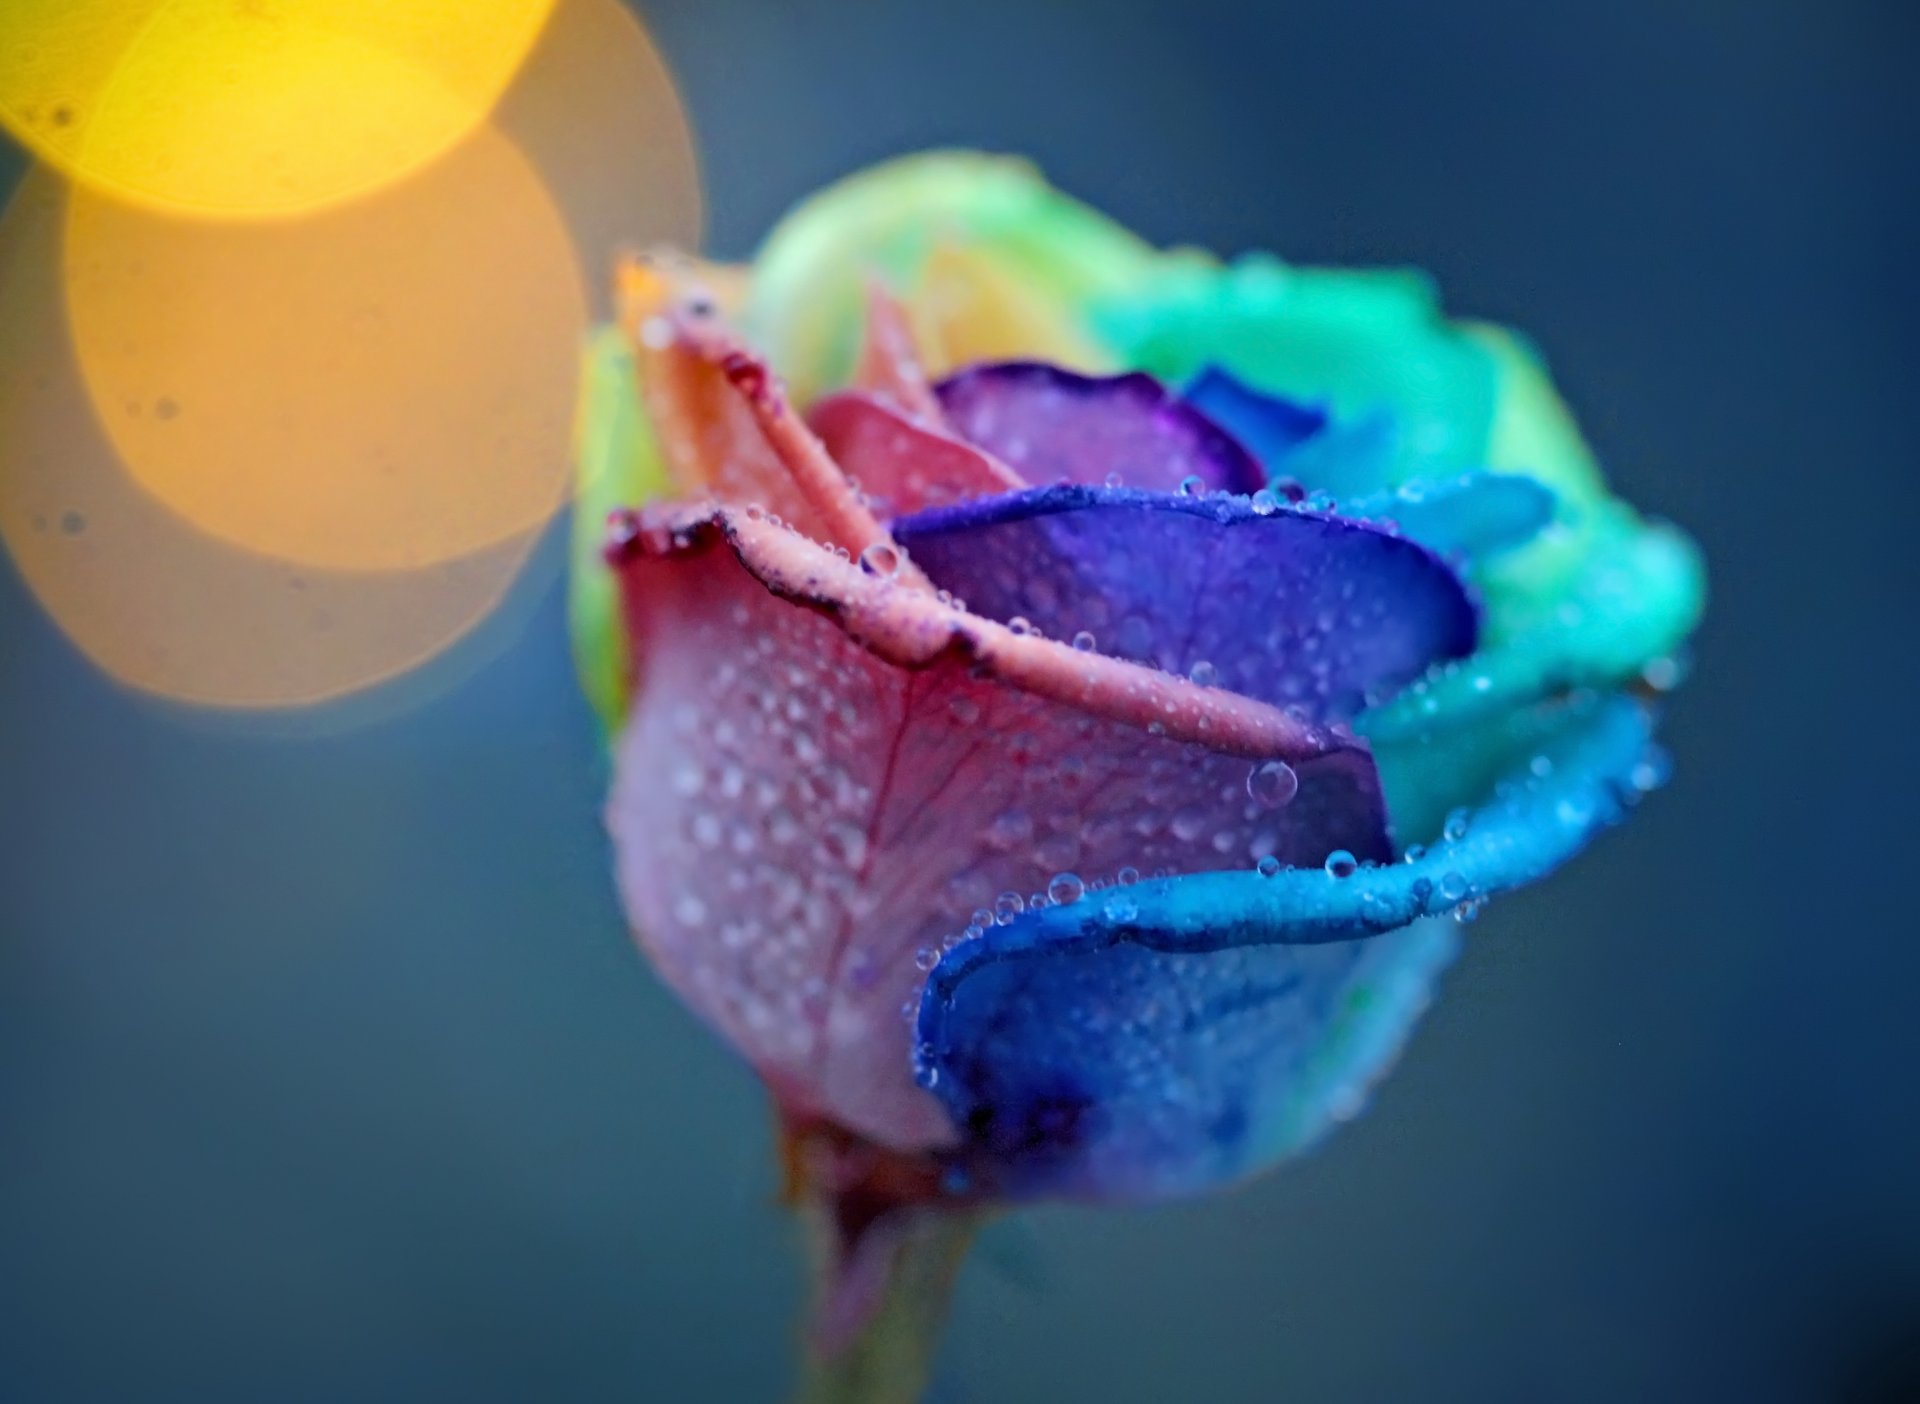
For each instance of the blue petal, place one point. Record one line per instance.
(1270, 426)
(1473, 515)
(1278, 603)
(1166, 1038)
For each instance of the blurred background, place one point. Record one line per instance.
(326, 1068)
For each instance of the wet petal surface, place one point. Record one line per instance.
(1167, 1038)
(828, 774)
(903, 465)
(1288, 606)
(1053, 425)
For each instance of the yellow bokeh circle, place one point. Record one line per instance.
(253, 107)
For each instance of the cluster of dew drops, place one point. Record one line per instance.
(1270, 785)
(1273, 784)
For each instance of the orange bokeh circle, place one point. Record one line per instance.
(151, 599)
(380, 386)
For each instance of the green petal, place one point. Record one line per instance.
(616, 464)
(807, 299)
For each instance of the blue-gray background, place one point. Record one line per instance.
(326, 1071)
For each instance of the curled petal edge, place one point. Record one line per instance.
(1048, 1124)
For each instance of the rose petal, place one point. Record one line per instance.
(1271, 427)
(1635, 597)
(1051, 424)
(705, 429)
(827, 773)
(890, 369)
(903, 465)
(1289, 606)
(1473, 515)
(1165, 1039)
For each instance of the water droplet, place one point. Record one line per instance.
(1020, 625)
(1007, 906)
(1127, 877)
(1265, 504)
(1114, 480)
(1654, 769)
(1084, 641)
(1415, 852)
(1010, 829)
(1272, 785)
(1455, 828)
(1664, 674)
(1453, 887)
(1064, 889)
(1267, 866)
(1193, 485)
(882, 558)
(1341, 864)
(1203, 673)
(926, 958)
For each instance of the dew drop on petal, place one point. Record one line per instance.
(1084, 641)
(882, 558)
(1127, 877)
(1203, 673)
(1272, 785)
(1453, 887)
(1007, 906)
(1193, 485)
(1341, 864)
(1065, 888)
(1268, 866)
(1455, 828)
(1020, 626)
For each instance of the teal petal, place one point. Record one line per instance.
(1473, 515)
(1635, 593)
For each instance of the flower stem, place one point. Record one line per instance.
(879, 1305)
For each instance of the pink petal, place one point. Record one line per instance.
(828, 773)
(905, 465)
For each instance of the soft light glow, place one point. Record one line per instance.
(150, 598)
(383, 385)
(253, 107)
(595, 112)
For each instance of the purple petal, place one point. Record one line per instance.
(1054, 425)
(1281, 604)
